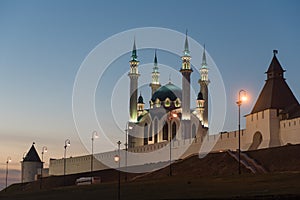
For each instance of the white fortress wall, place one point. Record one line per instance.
(229, 141)
(290, 131)
(154, 153)
(260, 123)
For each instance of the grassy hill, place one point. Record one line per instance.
(214, 176)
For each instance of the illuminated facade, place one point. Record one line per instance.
(274, 121)
(169, 116)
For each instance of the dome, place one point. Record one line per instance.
(140, 100)
(200, 96)
(169, 90)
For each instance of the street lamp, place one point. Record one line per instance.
(44, 150)
(242, 98)
(117, 160)
(67, 144)
(7, 161)
(172, 116)
(126, 146)
(94, 136)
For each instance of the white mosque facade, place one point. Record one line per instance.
(274, 120)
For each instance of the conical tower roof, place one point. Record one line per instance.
(32, 155)
(276, 93)
(275, 65)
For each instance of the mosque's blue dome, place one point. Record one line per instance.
(169, 90)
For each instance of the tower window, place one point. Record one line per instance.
(155, 130)
(150, 133)
(165, 131)
(146, 134)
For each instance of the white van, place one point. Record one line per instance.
(87, 180)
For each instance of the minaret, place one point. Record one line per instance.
(186, 78)
(133, 75)
(155, 76)
(140, 105)
(200, 102)
(204, 81)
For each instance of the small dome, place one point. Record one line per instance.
(169, 90)
(140, 100)
(200, 96)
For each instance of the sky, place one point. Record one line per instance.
(43, 44)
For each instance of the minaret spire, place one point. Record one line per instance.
(186, 51)
(204, 81)
(134, 53)
(155, 59)
(204, 57)
(155, 76)
(133, 75)
(186, 90)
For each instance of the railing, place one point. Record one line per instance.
(248, 162)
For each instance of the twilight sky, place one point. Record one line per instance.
(43, 44)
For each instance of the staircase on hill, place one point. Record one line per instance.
(248, 162)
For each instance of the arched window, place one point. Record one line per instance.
(150, 132)
(155, 130)
(165, 131)
(146, 134)
(194, 131)
(174, 130)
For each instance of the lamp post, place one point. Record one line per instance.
(67, 144)
(7, 161)
(126, 146)
(94, 136)
(239, 103)
(44, 150)
(117, 160)
(172, 116)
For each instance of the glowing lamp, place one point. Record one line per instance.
(117, 158)
(244, 98)
(174, 115)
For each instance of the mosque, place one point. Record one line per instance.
(169, 116)
(274, 120)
